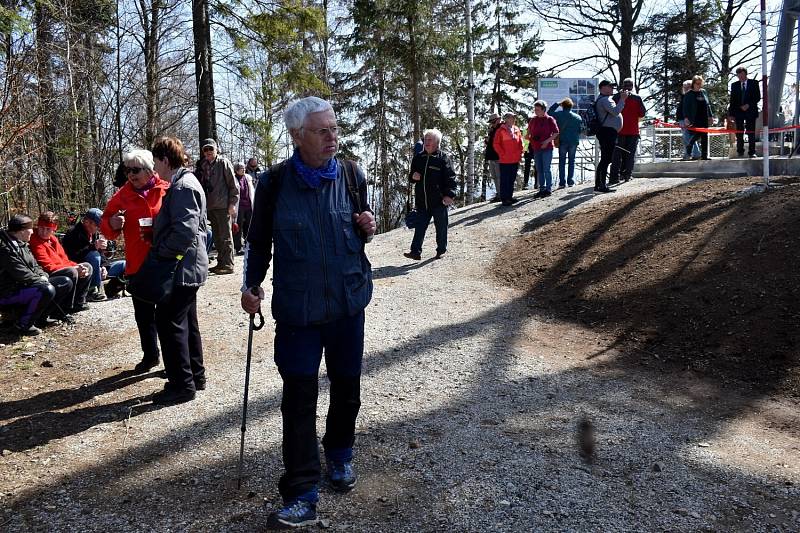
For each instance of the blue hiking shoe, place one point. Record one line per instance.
(296, 513)
(341, 475)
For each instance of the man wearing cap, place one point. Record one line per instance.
(609, 113)
(245, 210)
(491, 156)
(508, 144)
(23, 284)
(628, 137)
(215, 173)
(53, 259)
(83, 242)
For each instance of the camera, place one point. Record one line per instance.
(111, 246)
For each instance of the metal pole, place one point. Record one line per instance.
(765, 134)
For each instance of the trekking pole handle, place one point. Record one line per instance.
(256, 327)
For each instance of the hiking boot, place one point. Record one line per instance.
(494, 199)
(603, 189)
(412, 255)
(221, 270)
(200, 383)
(341, 475)
(296, 513)
(96, 294)
(27, 331)
(439, 255)
(170, 396)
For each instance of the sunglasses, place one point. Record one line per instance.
(133, 170)
(208, 148)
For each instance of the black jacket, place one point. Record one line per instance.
(438, 179)
(751, 96)
(490, 154)
(18, 268)
(77, 244)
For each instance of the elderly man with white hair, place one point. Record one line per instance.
(313, 209)
(434, 190)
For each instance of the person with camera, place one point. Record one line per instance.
(609, 113)
(84, 242)
(50, 255)
(130, 212)
(24, 286)
(322, 281)
(216, 175)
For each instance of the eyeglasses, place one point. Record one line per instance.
(133, 170)
(323, 132)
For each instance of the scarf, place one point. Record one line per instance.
(147, 186)
(313, 176)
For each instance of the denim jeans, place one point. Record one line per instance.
(542, 160)
(508, 175)
(440, 219)
(115, 269)
(298, 353)
(566, 151)
(694, 150)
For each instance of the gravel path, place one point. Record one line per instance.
(470, 405)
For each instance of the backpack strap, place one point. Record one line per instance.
(275, 176)
(352, 185)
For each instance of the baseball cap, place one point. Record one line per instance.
(606, 82)
(209, 142)
(94, 214)
(493, 117)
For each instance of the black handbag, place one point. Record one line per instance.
(154, 280)
(412, 218)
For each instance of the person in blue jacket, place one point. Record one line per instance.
(305, 210)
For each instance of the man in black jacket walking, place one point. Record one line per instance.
(435, 188)
(743, 109)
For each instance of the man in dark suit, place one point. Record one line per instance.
(743, 109)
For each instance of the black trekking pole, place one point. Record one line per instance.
(253, 327)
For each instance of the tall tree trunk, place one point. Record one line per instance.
(415, 77)
(627, 23)
(206, 111)
(691, 38)
(44, 51)
(151, 19)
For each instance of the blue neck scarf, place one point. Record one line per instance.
(314, 176)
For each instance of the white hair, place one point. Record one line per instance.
(436, 134)
(142, 158)
(295, 115)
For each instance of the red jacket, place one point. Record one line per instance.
(49, 253)
(508, 144)
(631, 113)
(135, 206)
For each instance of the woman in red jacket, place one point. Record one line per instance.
(132, 207)
(508, 145)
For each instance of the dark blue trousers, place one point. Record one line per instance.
(440, 221)
(508, 175)
(298, 353)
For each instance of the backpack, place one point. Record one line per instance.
(591, 122)
(276, 176)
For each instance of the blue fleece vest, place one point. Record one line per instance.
(320, 271)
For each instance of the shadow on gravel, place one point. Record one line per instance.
(497, 210)
(63, 398)
(499, 455)
(391, 271)
(570, 201)
(42, 427)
